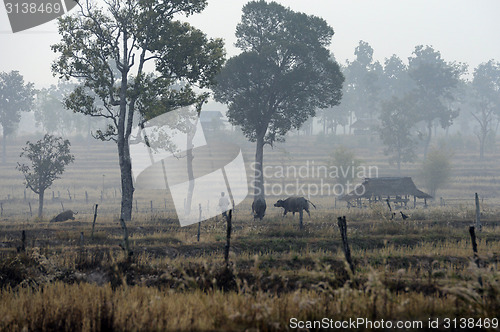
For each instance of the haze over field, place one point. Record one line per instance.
(463, 31)
(274, 165)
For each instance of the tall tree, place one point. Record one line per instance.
(485, 100)
(362, 86)
(15, 97)
(109, 50)
(395, 80)
(435, 80)
(48, 157)
(283, 75)
(397, 120)
(51, 114)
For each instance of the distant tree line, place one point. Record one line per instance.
(410, 100)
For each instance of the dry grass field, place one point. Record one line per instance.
(413, 270)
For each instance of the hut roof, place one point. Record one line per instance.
(386, 186)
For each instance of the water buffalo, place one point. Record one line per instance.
(63, 216)
(259, 208)
(294, 204)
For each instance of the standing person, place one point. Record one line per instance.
(223, 204)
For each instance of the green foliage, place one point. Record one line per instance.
(435, 81)
(362, 86)
(485, 100)
(397, 120)
(51, 114)
(346, 163)
(109, 49)
(283, 75)
(48, 156)
(15, 97)
(102, 47)
(436, 169)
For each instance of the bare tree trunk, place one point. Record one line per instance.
(40, 203)
(482, 140)
(259, 174)
(428, 140)
(189, 161)
(124, 126)
(126, 182)
(4, 147)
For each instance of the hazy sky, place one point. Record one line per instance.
(462, 30)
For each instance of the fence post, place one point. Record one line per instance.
(31, 212)
(199, 224)
(478, 213)
(93, 223)
(341, 221)
(474, 249)
(228, 237)
(23, 241)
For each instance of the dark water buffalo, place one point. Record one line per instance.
(259, 208)
(63, 216)
(294, 204)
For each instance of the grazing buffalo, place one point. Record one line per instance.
(294, 204)
(259, 208)
(63, 216)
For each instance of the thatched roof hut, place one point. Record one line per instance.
(400, 188)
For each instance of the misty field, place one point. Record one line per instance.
(404, 270)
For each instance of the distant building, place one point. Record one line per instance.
(364, 126)
(394, 189)
(211, 120)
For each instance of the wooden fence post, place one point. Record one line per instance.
(93, 223)
(474, 249)
(23, 241)
(478, 213)
(199, 224)
(341, 221)
(228, 237)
